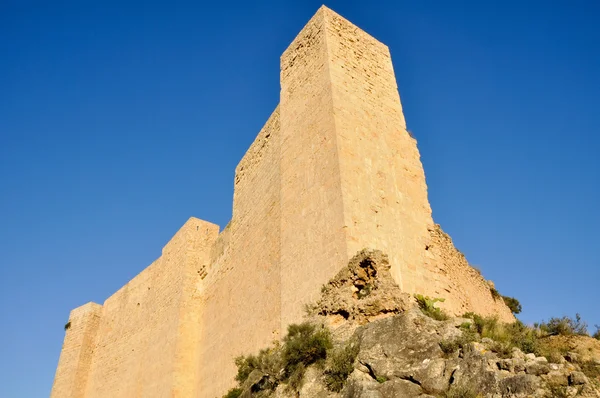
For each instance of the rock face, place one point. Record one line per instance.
(400, 356)
(404, 353)
(362, 291)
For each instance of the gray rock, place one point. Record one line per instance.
(506, 364)
(517, 353)
(530, 356)
(434, 379)
(537, 368)
(312, 386)
(400, 346)
(473, 373)
(571, 357)
(557, 378)
(577, 378)
(400, 388)
(361, 385)
(519, 385)
(519, 365)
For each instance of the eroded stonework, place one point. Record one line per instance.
(332, 172)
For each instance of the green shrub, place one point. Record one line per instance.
(449, 346)
(591, 369)
(305, 344)
(268, 361)
(506, 335)
(558, 391)
(468, 335)
(461, 392)
(381, 379)
(495, 293)
(513, 304)
(596, 335)
(233, 393)
(427, 306)
(340, 365)
(564, 326)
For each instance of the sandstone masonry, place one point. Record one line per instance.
(332, 172)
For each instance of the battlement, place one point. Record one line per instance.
(332, 171)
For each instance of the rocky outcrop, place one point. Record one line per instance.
(362, 292)
(401, 352)
(400, 356)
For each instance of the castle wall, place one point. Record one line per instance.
(241, 294)
(76, 356)
(147, 337)
(466, 289)
(313, 234)
(332, 171)
(383, 182)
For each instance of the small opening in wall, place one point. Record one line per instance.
(426, 247)
(67, 326)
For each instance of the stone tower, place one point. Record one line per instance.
(333, 171)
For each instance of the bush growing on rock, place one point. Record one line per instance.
(233, 393)
(506, 336)
(564, 326)
(427, 306)
(304, 345)
(513, 304)
(340, 365)
(461, 392)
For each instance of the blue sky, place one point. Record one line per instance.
(119, 120)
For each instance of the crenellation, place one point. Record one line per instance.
(332, 171)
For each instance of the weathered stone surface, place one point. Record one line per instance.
(402, 346)
(537, 368)
(363, 290)
(557, 378)
(518, 386)
(473, 372)
(577, 378)
(400, 388)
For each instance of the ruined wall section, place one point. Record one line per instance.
(313, 235)
(241, 293)
(145, 343)
(467, 289)
(73, 368)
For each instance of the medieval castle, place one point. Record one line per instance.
(332, 171)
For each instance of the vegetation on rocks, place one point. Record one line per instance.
(513, 304)
(304, 345)
(376, 344)
(564, 326)
(427, 306)
(340, 365)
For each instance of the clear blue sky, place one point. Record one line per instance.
(119, 120)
